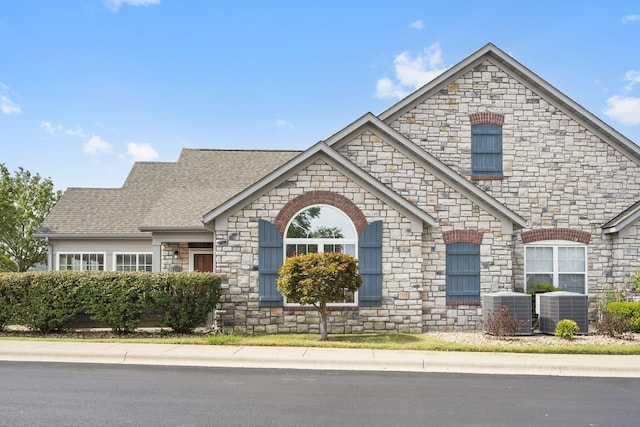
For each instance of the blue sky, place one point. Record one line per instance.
(87, 87)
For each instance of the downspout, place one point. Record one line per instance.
(213, 320)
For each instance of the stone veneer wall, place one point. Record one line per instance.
(557, 174)
(237, 256)
(454, 213)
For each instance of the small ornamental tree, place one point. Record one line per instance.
(319, 279)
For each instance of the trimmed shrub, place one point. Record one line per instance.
(612, 324)
(117, 298)
(566, 329)
(501, 323)
(47, 301)
(184, 300)
(9, 294)
(630, 311)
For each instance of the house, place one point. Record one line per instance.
(486, 179)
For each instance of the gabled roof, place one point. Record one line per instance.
(160, 196)
(334, 159)
(108, 212)
(530, 80)
(371, 123)
(203, 180)
(622, 221)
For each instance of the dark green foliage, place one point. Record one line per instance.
(566, 329)
(9, 293)
(117, 299)
(50, 301)
(47, 301)
(630, 311)
(184, 300)
(25, 200)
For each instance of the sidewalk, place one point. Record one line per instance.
(321, 358)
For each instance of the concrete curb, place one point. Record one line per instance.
(322, 358)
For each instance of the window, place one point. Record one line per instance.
(486, 150)
(81, 261)
(318, 229)
(562, 264)
(133, 262)
(463, 273)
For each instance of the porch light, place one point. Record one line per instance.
(176, 253)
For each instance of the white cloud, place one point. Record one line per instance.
(96, 145)
(8, 107)
(114, 5)
(633, 77)
(630, 18)
(624, 109)
(412, 73)
(284, 124)
(417, 25)
(79, 133)
(50, 128)
(141, 152)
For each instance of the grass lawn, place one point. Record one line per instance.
(374, 341)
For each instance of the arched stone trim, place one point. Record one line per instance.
(316, 198)
(462, 236)
(486, 118)
(556, 234)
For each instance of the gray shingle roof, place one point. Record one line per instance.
(162, 195)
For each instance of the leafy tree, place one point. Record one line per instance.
(25, 200)
(323, 232)
(301, 225)
(319, 279)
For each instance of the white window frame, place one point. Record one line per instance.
(82, 254)
(555, 245)
(320, 242)
(136, 254)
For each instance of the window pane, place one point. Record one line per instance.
(321, 222)
(539, 260)
(572, 282)
(571, 260)
(532, 279)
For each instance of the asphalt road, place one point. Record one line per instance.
(49, 394)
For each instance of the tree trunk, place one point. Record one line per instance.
(323, 322)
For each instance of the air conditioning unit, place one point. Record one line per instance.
(519, 306)
(556, 306)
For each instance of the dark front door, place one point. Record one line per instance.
(203, 262)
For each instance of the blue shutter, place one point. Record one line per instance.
(463, 272)
(370, 264)
(486, 150)
(270, 260)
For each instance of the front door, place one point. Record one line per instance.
(203, 262)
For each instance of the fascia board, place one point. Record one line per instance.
(139, 236)
(152, 228)
(434, 85)
(622, 223)
(321, 150)
(272, 180)
(529, 79)
(431, 163)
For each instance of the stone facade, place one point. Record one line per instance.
(557, 173)
(565, 174)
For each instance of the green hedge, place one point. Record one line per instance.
(50, 301)
(629, 311)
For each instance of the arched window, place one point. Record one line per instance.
(318, 229)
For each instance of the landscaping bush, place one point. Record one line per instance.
(8, 297)
(117, 298)
(46, 301)
(566, 329)
(630, 311)
(184, 300)
(501, 323)
(612, 324)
